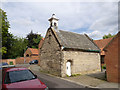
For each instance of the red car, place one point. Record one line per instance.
(21, 78)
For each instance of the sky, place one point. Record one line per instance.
(94, 18)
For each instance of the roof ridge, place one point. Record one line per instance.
(104, 39)
(33, 48)
(71, 32)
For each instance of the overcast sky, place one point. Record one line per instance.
(93, 18)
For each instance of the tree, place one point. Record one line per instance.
(6, 36)
(18, 47)
(108, 36)
(33, 39)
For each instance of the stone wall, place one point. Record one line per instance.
(50, 55)
(82, 62)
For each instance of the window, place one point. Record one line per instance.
(17, 76)
(27, 55)
(55, 24)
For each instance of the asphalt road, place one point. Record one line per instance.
(56, 83)
(53, 82)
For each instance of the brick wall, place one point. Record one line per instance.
(113, 61)
(20, 60)
(9, 60)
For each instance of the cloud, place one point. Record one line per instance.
(95, 17)
(60, 0)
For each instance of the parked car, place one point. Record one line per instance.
(21, 78)
(33, 62)
(5, 65)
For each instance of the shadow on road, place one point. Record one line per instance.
(99, 75)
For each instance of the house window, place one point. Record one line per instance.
(27, 55)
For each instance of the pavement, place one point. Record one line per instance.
(96, 80)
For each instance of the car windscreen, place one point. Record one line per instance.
(18, 76)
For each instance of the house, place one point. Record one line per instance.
(39, 46)
(66, 53)
(101, 44)
(112, 59)
(30, 54)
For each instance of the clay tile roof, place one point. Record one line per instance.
(76, 41)
(102, 43)
(41, 42)
(33, 50)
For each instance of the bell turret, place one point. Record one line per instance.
(54, 22)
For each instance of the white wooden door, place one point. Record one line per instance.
(68, 68)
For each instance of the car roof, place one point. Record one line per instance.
(14, 69)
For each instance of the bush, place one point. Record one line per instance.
(104, 66)
(73, 75)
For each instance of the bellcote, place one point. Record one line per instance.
(54, 22)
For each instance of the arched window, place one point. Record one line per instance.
(55, 24)
(27, 55)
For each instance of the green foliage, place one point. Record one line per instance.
(6, 36)
(74, 75)
(104, 66)
(11, 63)
(19, 45)
(108, 36)
(4, 25)
(4, 50)
(33, 39)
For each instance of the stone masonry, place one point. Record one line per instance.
(82, 62)
(50, 55)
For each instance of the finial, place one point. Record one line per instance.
(53, 14)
